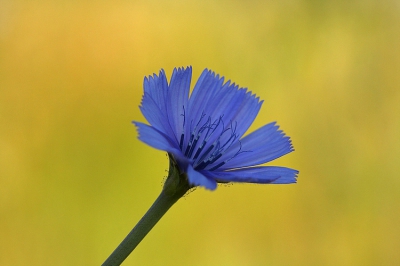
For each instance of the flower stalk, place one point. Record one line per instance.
(174, 188)
(203, 133)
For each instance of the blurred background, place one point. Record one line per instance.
(74, 179)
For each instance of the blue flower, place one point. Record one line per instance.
(204, 131)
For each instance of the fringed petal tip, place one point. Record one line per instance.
(288, 178)
(182, 69)
(151, 78)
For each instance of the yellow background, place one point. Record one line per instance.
(74, 179)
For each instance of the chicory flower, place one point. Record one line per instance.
(203, 130)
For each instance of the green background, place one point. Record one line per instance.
(74, 179)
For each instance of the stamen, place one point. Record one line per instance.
(181, 141)
(193, 146)
(216, 158)
(184, 117)
(209, 127)
(201, 166)
(193, 142)
(216, 150)
(217, 166)
(207, 152)
(199, 149)
(189, 144)
(183, 129)
(192, 136)
(209, 133)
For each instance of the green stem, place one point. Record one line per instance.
(174, 188)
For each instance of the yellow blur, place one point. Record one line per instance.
(74, 179)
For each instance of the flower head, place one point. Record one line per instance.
(204, 130)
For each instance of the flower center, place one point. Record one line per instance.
(208, 140)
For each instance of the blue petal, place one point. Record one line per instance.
(178, 96)
(157, 88)
(262, 175)
(205, 89)
(245, 113)
(198, 179)
(156, 139)
(230, 105)
(263, 145)
(233, 109)
(155, 116)
(153, 105)
(235, 104)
